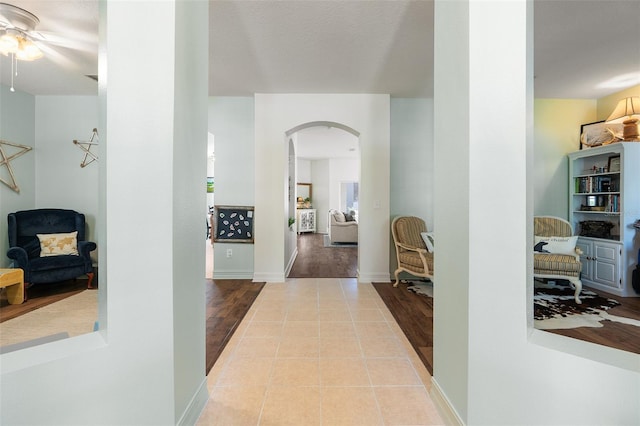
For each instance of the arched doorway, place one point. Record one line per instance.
(324, 160)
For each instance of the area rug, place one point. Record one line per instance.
(74, 315)
(424, 288)
(555, 308)
(327, 243)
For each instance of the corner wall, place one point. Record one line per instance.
(60, 181)
(556, 133)
(146, 365)
(17, 125)
(231, 121)
(412, 163)
(489, 364)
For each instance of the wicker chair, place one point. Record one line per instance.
(557, 266)
(411, 250)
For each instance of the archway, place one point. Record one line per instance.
(323, 155)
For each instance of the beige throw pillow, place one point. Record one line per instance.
(58, 244)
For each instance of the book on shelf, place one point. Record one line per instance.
(591, 184)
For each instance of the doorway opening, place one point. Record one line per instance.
(211, 158)
(324, 160)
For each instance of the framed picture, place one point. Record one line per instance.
(210, 184)
(599, 133)
(233, 224)
(614, 164)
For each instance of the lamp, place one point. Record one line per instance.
(627, 112)
(14, 38)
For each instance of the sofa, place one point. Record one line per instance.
(49, 245)
(342, 228)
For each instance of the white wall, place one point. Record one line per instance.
(60, 181)
(17, 118)
(303, 170)
(412, 165)
(277, 114)
(488, 363)
(556, 134)
(321, 180)
(231, 121)
(146, 365)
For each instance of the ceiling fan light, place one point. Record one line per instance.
(28, 51)
(8, 43)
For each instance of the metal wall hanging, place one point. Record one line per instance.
(5, 160)
(89, 157)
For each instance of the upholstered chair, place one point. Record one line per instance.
(411, 250)
(557, 266)
(60, 263)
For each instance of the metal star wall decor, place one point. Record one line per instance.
(86, 147)
(5, 161)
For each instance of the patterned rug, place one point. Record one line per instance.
(424, 288)
(555, 308)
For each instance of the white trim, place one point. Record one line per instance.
(291, 262)
(269, 277)
(442, 403)
(374, 277)
(232, 275)
(196, 406)
(580, 348)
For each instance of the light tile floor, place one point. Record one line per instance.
(319, 352)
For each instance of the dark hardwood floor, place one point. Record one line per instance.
(314, 260)
(414, 315)
(227, 302)
(625, 337)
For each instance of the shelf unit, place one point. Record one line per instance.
(603, 205)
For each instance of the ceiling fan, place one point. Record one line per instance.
(17, 32)
(63, 34)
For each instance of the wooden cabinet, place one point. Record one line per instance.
(601, 263)
(604, 202)
(306, 220)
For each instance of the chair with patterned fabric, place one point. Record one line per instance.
(555, 254)
(411, 250)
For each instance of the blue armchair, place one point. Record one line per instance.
(24, 245)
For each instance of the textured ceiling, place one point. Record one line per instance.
(322, 47)
(308, 46)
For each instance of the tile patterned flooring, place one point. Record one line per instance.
(319, 351)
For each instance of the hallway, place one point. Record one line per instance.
(319, 351)
(314, 260)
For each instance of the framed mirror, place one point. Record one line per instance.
(304, 192)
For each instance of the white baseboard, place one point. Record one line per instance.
(291, 262)
(373, 277)
(232, 275)
(269, 277)
(442, 403)
(196, 405)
